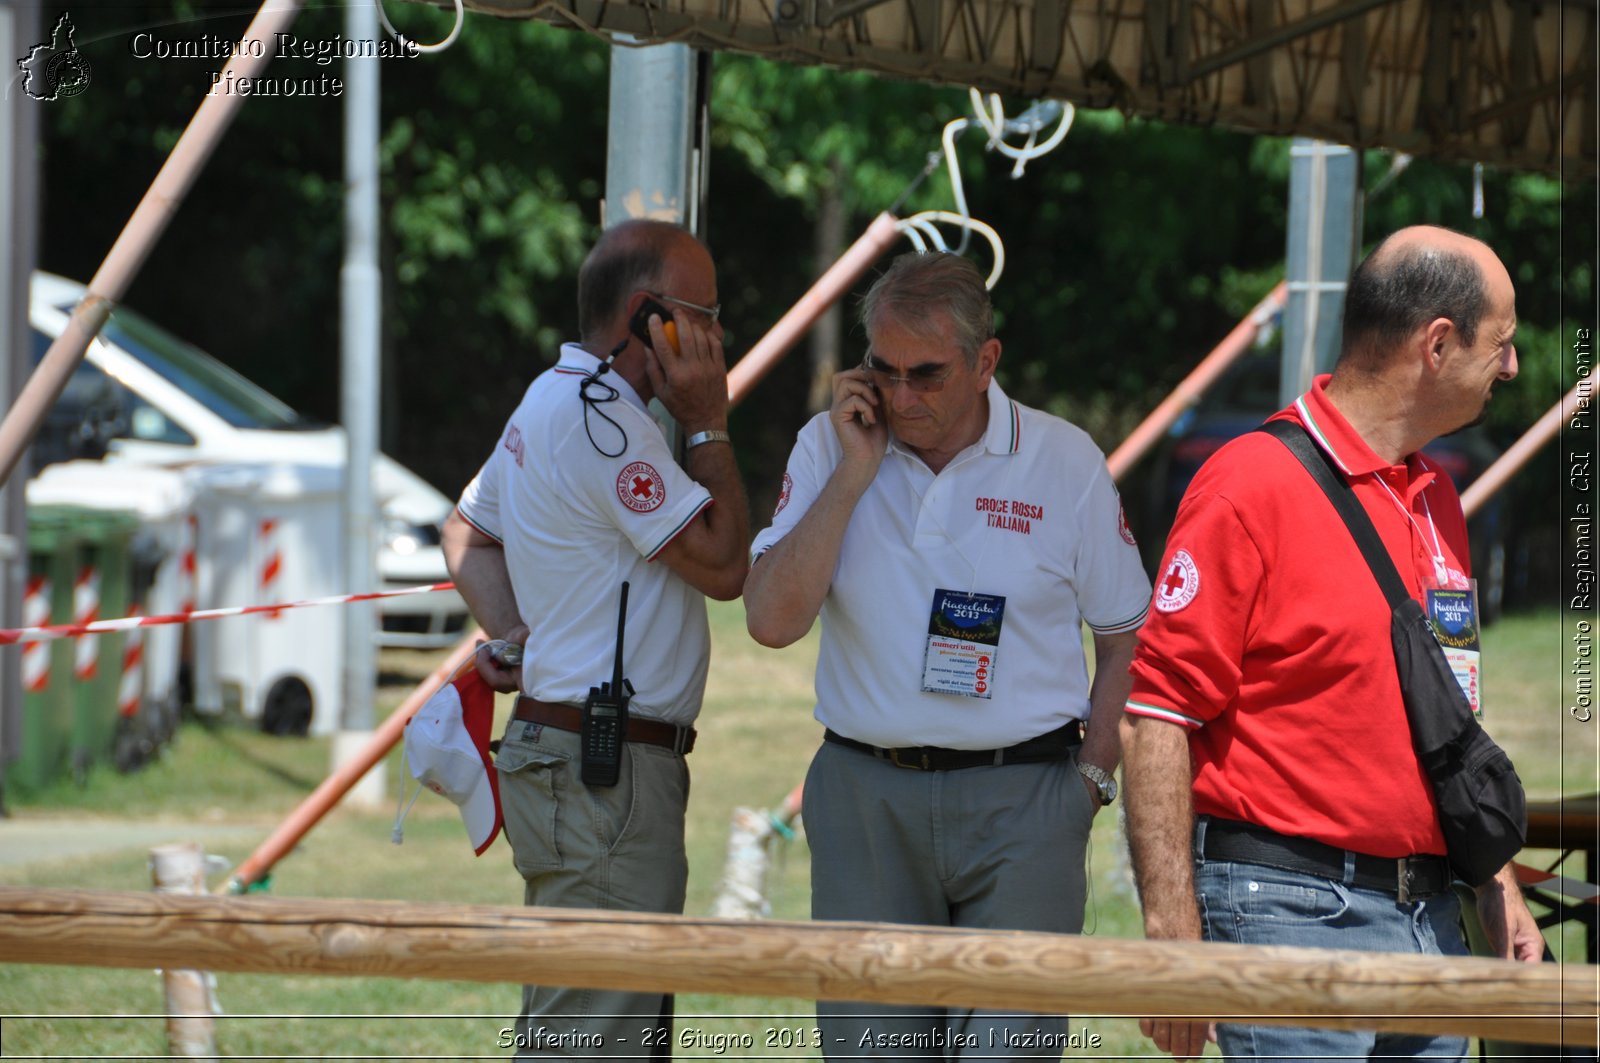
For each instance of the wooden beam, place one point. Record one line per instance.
(1353, 74)
(1259, 89)
(1007, 970)
(1262, 42)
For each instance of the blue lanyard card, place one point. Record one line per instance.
(963, 643)
(1453, 616)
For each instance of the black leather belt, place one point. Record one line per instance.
(570, 718)
(1057, 745)
(1410, 878)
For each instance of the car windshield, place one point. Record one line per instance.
(220, 389)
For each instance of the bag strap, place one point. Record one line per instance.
(1343, 497)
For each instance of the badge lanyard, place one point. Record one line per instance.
(1441, 574)
(1452, 614)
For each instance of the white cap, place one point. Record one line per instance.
(447, 746)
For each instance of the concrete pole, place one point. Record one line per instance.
(655, 148)
(653, 159)
(19, 185)
(1324, 237)
(361, 296)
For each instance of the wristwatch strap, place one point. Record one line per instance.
(715, 435)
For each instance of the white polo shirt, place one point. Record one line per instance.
(1028, 513)
(575, 524)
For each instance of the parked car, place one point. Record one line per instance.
(143, 395)
(1247, 394)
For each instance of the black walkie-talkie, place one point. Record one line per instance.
(605, 717)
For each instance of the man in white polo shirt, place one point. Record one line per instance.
(953, 543)
(580, 495)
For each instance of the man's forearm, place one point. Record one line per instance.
(1102, 745)
(1160, 818)
(713, 467)
(477, 564)
(785, 589)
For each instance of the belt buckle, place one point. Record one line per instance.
(1404, 879)
(894, 758)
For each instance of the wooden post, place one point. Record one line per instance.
(180, 869)
(1007, 970)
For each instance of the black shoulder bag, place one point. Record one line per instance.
(1482, 809)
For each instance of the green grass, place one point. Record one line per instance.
(757, 738)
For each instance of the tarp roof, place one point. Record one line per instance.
(1504, 82)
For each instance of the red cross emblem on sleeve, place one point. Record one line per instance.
(1179, 583)
(641, 488)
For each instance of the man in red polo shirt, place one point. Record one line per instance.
(1268, 767)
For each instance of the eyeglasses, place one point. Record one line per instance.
(713, 311)
(921, 379)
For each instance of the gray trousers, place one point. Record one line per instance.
(618, 847)
(996, 848)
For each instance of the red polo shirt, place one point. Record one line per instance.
(1269, 638)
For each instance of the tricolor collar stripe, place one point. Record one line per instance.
(1304, 409)
(1016, 429)
(1161, 712)
(568, 370)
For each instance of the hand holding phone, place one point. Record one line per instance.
(858, 420)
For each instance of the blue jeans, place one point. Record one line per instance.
(1254, 905)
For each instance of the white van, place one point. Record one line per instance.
(146, 396)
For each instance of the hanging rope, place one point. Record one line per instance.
(923, 229)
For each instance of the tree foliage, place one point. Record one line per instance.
(1130, 250)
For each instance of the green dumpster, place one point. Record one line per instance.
(49, 694)
(106, 561)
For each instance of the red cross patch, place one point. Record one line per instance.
(641, 488)
(1122, 525)
(783, 496)
(1179, 583)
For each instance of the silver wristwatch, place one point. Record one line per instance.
(1102, 781)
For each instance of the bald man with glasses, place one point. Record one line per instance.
(580, 497)
(954, 543)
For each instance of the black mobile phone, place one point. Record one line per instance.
(640, 324)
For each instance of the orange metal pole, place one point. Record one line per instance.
(144, 228)
(1188, 392)
(321, 801)
(1522, 451)
(829, 289)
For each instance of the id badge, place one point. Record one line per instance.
(963, 644)
(1453, 616)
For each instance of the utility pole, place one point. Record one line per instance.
(361, 297)
(1324, 238)
(655, 145)
(19, 194)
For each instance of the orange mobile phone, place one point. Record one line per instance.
(640, 325)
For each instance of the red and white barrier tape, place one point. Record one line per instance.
(67, 631)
